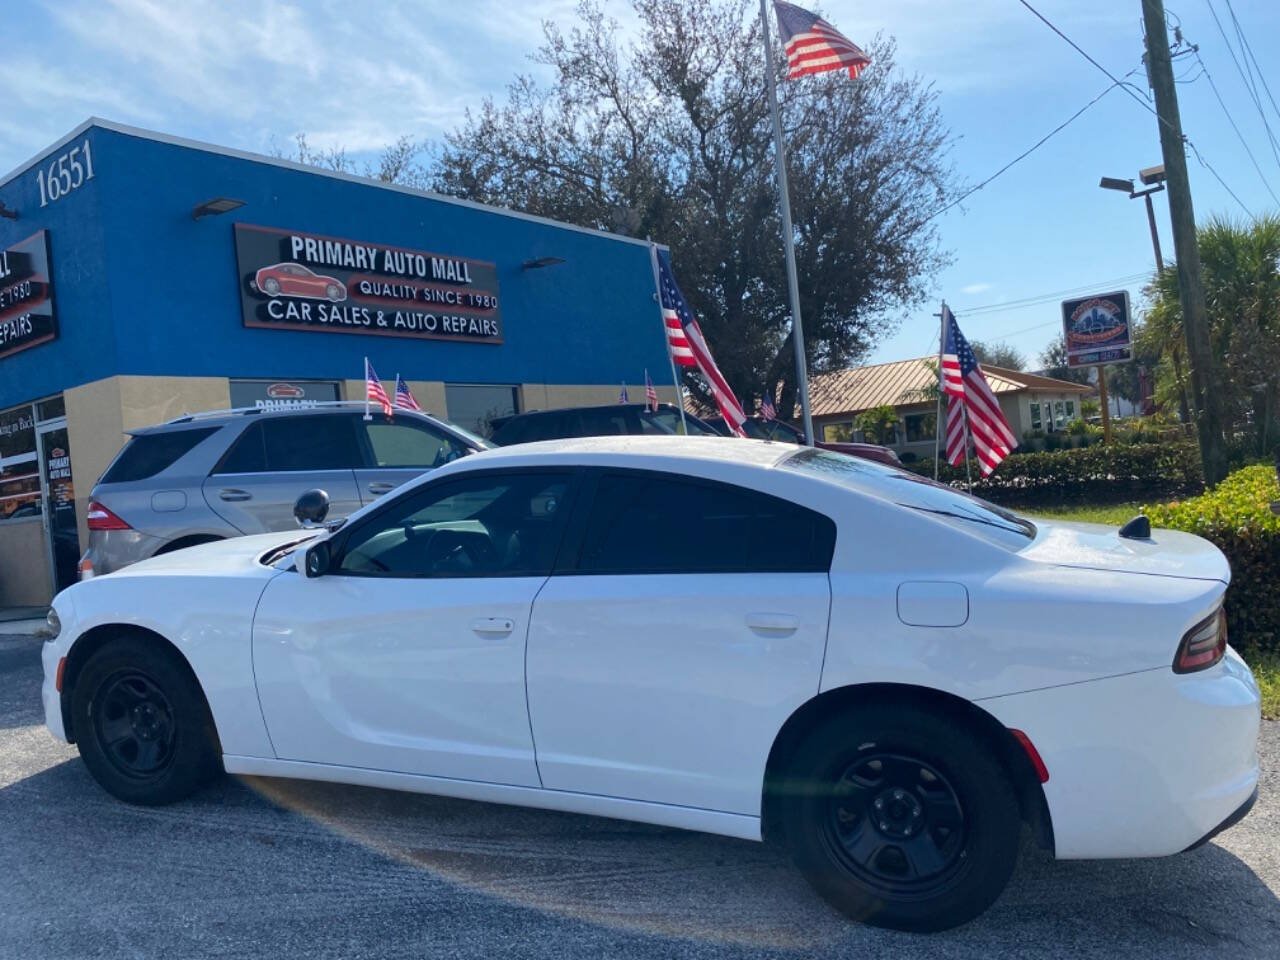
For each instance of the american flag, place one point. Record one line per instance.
(404, 399)
(622, 397)
(971, 403)
(766, 407)
(650, 394)
(374, 391)
(813, 45)
(678, 316)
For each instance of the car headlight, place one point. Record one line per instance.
(54, 624)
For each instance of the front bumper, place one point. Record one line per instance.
(50, 655)
(1143, 765)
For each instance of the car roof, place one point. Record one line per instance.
(218, 418)
(619, 448)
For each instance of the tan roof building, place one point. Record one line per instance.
(1030, 402)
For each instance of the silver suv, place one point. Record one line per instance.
(222, 474)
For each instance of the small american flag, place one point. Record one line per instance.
(622, 397)
(650, 394)
(815, 46)
(767, 409)
(374, 391)
(404, 399)
(695, 352)
(971, 403)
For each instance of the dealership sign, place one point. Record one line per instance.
(304, 281)
(26, 295)
(1097, 329)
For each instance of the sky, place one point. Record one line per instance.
(252, 73)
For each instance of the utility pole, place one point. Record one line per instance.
(1195, 321)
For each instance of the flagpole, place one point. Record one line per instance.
(367, 416)
(968, 477)
(788, 239)
(657, 297)
(937, 425)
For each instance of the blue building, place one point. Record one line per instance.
(144, 276)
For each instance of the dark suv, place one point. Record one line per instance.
(231, 472)
(612, 419)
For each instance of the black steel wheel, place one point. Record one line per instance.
(133, 724)
(896, 822)
(142, 724)
(901, 817)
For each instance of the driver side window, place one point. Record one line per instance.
(488, 525)
(410, 445)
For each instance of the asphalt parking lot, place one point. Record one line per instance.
(270, 868)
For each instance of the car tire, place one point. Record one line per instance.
(271, 285)
(901, 818)
(142, 724)
(333, 292)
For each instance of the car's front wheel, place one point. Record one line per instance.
(141, 723)
(901, 818)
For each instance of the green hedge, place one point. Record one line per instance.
(1111, 473)
(1236, 515)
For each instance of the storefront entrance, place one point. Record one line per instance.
(39, 542)
(59, 502)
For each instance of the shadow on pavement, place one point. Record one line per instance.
(276, 858)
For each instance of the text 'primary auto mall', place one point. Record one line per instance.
(144, 277)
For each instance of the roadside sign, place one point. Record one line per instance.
(1097, 329)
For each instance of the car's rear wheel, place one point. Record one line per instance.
(271, 285)
(901, 818)
(333, 292)
(142, 724)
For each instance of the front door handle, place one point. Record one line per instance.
(773, 624)
(231, 494)
(493, 626)
(379, 487)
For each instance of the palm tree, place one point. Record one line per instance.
(1241, 265)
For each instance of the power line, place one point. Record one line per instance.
(1240, 136)
(1038, 298)
(1020, 157)
(1249, 53)
(1246, 75)
(1140, 100)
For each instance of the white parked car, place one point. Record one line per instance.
(739, 637)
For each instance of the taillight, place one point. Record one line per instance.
(100, 518)
(1204, 644)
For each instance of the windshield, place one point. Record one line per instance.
(909, 490)
(669, 422)
(480, 442)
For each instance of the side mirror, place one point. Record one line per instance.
(313, 560)
(311, 508)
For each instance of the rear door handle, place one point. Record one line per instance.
(493, 626)
(379, 487)
(232, 494)
(777, 624)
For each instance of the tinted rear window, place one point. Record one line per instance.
(288, 444)
(651, 523)
(145, 456)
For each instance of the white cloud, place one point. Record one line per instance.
(975, 288)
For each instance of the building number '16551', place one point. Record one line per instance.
(65, 173)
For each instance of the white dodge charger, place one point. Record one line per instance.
(740, 637)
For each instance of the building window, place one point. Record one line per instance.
(921, 426)
(475, 406)
(837, 432)
(1071, 410)
(1059, 415)
(19, 470)
(1036, 422)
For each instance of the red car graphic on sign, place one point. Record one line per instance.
(295, 280)
(285, 391)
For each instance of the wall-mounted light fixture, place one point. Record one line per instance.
(7, 213)
(540, 262)
(217, 205)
